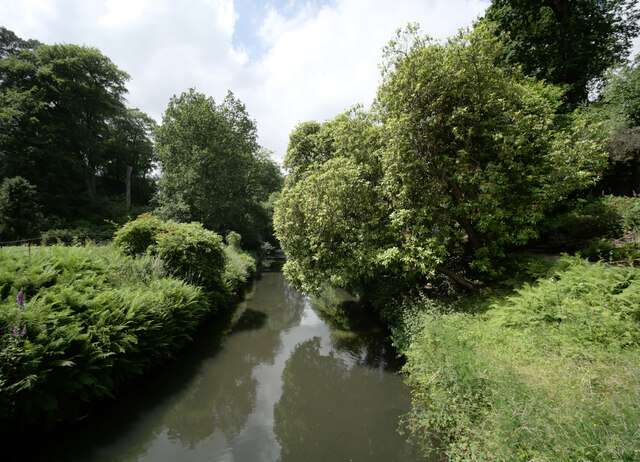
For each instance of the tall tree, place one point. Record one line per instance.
(57, 101)
(210, 161)
(464, 157)
(567, 42)
(130, 152)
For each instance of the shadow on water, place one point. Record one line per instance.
(111, 418)
(267, 381)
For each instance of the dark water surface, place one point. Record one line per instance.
(281, 386)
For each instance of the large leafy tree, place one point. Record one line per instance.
(566, 42)
(468, 156)
(619, 108)
(57, 102)
(213, 169)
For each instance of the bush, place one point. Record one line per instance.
(239, 268)
(136, 236)
(192, 253)
(92, 320)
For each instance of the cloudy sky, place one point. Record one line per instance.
(287, 60)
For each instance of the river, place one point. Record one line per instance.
(280, 386)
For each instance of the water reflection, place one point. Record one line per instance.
(280, 386)
(330, 410)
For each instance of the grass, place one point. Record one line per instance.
(549, 372)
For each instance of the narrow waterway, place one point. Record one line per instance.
(281, 386)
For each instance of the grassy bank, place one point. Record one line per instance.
(548, 372)
(93, 318)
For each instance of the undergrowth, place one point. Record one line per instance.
(92, 319)
(549, 372)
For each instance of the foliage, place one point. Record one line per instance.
(566, 42)
(549, 373)
(64, 127)
(602, 228)
(192, 253)
(619, 108)
(92, 320)
(213, 169)
(239, 268)
(461, 157)
(135, 237)
(19, 212)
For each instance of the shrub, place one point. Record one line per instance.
(92, 319)
(136, 236)
(192, 253)
(548, 373)
(239, 268)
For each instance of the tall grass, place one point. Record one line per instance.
(551, 372)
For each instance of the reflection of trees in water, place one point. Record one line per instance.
(224, 395)
(367, 349)
(323, 400)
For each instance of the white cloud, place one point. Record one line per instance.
(318, 66)
(317, 63)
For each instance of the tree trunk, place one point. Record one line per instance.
(457, 278)
(128, 187)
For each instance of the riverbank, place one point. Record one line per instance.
(89, 320)
(548, 371)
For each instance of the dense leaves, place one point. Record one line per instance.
(214, 171)
(19, 212)
(567, 42)
(64, 127)
(461, 157)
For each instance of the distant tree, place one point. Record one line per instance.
(567, 42)
(130, 152)
(213, 170)
(56, 104)
(19, 212)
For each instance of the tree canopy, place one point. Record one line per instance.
(566, 42)
(214, 170)
(460, 157)
(64, 124)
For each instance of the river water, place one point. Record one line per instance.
(280, 386)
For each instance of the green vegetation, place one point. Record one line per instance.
(214, 171)
(550, 372)
(571, 43)
(93, 317)
(426, 205)
(64, 127)
(405, 195)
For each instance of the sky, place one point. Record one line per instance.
(288, 61)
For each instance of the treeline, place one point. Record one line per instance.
(476, 150)
(67, 131)
(74, 158)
